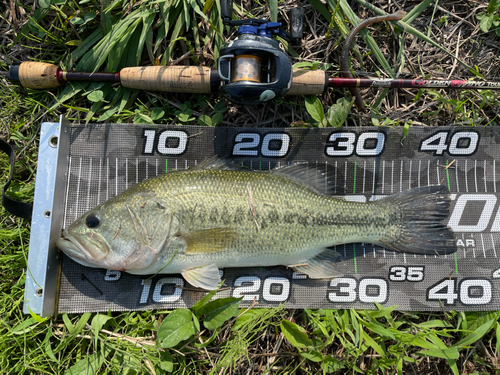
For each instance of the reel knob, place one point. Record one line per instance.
(296, 24)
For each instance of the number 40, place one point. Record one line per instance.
(438, 144)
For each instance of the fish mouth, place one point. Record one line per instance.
(74, 249)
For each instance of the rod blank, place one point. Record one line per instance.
(193, 79)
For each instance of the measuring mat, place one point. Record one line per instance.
(82, 166)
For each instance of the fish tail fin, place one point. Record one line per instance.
(422, 210)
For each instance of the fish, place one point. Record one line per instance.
(197, 221)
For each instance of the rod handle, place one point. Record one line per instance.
(35, 75)
(308, 82)
(187, 79)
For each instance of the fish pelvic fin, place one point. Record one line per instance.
(423, 231)
(206, 277)
(325, 265)
(209, 241)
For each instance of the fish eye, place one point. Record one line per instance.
(92, 221)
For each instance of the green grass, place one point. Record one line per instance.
(216, 338)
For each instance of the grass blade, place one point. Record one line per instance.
(273, 7)
(411, 30)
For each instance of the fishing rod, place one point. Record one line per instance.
(253, 68)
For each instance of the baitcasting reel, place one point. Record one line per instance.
(254, 68)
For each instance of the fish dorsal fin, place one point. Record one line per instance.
(217, 163)
(209, 241)
(325, 265)
(206, 277)
(314, 176)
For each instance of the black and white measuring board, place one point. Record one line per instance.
(81, 166)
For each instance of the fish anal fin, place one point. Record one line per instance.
(206, 277)
(325, 265)
(209, 241)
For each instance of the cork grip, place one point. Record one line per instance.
(36, 75)
(308, 82)
(188, 79)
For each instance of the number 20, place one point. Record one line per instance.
(247, 144)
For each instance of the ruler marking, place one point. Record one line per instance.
(147, 167)
(374, 251)
(126, 173)
(404, 258)
(374, 169)
(345, 178)
(364, 175)
(116, 176)
(475, 173)
(484, 170)
(107, 178)
(78, 187)
(463, 241)
(482, 244)
(494, 176)
(456, 176)
(67, 190)
(401, 177)
(392, 178)
(99, 186)
(419, 167)
(88, 185)
(355, 262)
(448, 176)
(175, 164)
(364, 251)
(466, 182)
(409, 176)
(354, 185)
(335, 176)
(493, 244)
(383, 176)
(136, 170)
(326, 174)
(428, 172)
(437, 172)
(474, 249)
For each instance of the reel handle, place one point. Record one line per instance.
(226, 10)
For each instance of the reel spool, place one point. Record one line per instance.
(254, 67)
(246, 68)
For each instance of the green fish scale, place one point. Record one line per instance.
(272, 214)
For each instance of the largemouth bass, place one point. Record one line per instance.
(196, 221)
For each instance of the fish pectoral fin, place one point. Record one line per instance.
(206, 277)
(325, 265)
(209, 241)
